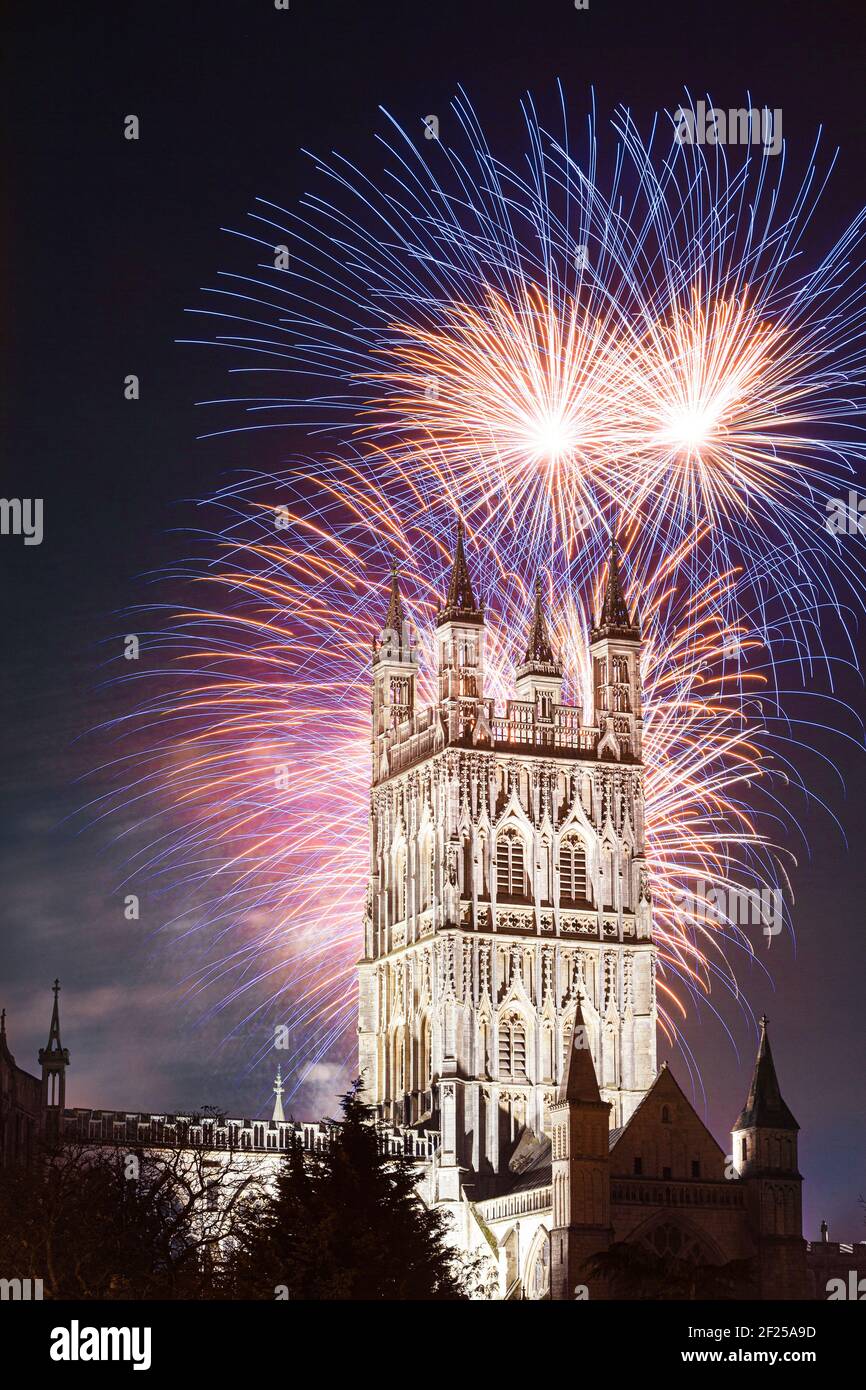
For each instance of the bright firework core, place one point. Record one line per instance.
(692, 427)
(551, 439)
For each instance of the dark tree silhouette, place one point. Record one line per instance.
(114, 1223)
(347, 1223)
(633, 1271)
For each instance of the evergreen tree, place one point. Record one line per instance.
(347, 1223)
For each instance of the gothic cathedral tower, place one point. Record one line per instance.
(507, 881)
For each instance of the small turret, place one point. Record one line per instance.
(460, 632)
(54, 1059)
(614, 619)
(614, 646)
(539, 676)
(278, 1115)
(460, 605)
(395, 665)
(765, 1156)
(765, 1131)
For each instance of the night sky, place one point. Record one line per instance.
(107, 242)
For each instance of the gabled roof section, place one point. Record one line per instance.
(665, 1087)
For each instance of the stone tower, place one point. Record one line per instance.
(765, 1156)
(507, 878)
(580, 1144)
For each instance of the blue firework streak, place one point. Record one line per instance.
(249, 756)
(573, 339)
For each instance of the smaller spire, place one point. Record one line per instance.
(278, 1097)
(764, 1107)
(395, 617)
(579, 1081)
(614, 616)
(2, 1023)
(460, 605)
(539, 648)
(54, 1043)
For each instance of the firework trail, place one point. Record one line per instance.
(551, 354)
(565, 349)
(256, 732)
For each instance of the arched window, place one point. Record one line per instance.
(621, 685)
(666, 1115)
(538, 1283)
(510, 870)
(572, 870)
(512, 1049)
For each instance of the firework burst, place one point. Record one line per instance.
(256, 732)
(560, 347)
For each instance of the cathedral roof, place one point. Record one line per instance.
(764, 1106)
(614, 618)
(460, 605)
(666, 1087)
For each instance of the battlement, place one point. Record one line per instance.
(194, 1131)
(521, 730)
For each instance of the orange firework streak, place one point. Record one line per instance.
(263, 756)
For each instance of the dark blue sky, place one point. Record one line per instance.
(106, 243)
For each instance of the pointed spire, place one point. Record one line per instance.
(579, 1081)
(278, 1097)
(54, 1043)
(395, 617)
(460, 605)
(539, 648)
(614, 616)
(2, 1023)
(54, 1059)
(764, 1107)
(538, 644)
